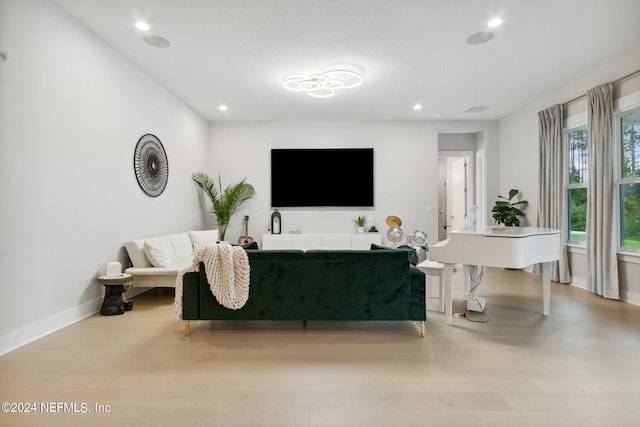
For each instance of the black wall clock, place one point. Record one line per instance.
(151, 165)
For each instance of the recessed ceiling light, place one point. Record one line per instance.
(142, 26)
(223, 107)
(495, 22)
(417, 107)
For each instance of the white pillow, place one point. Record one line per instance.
(180, 245)
(182, 263)
(200, 239)
(159, 252)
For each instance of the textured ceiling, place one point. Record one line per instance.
(237, 52)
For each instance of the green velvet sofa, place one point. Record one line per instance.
(318, 285)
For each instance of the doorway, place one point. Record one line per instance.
(455, 190)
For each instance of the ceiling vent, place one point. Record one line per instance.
(476, 108)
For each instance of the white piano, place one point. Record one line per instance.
(507, 247)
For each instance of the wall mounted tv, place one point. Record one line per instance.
(322, 177)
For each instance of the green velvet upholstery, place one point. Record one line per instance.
(318, 285)
(191, 296)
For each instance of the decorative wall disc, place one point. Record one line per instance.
(151, 165)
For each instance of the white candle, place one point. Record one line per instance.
(114, 269)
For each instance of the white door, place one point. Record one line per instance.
(456, 193)
(442, 198)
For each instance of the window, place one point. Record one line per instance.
(629, 182)
(577, 169)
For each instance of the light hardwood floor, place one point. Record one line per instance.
(577, 367)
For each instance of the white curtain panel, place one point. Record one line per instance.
(601, 225)
(551, 203)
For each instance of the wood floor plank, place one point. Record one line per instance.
(512, 367)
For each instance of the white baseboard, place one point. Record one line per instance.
(31, 332)
(630, 297)
(625, 296)
(579, 282)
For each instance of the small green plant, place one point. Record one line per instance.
(360, 221)
(507, 212)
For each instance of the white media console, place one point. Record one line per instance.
(306, 241)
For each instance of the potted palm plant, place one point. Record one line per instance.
(507, 211)
(224, 203)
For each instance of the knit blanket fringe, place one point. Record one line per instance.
(227, 269)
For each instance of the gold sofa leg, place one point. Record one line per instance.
(186, 328)
(419, 324)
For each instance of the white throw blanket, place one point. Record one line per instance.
(227, 269)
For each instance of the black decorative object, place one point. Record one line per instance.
(276, 222)
(151, 165)
(113, 303)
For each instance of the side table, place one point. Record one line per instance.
(113, 289)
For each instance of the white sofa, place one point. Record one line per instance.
(156, 261)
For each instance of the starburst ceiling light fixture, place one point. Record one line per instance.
(323, 85)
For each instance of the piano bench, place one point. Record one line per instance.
(431, 269)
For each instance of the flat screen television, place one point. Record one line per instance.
(322, 177)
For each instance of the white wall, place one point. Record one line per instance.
(71, 112)
(406, 171)
(519, 157)
(457, 142)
